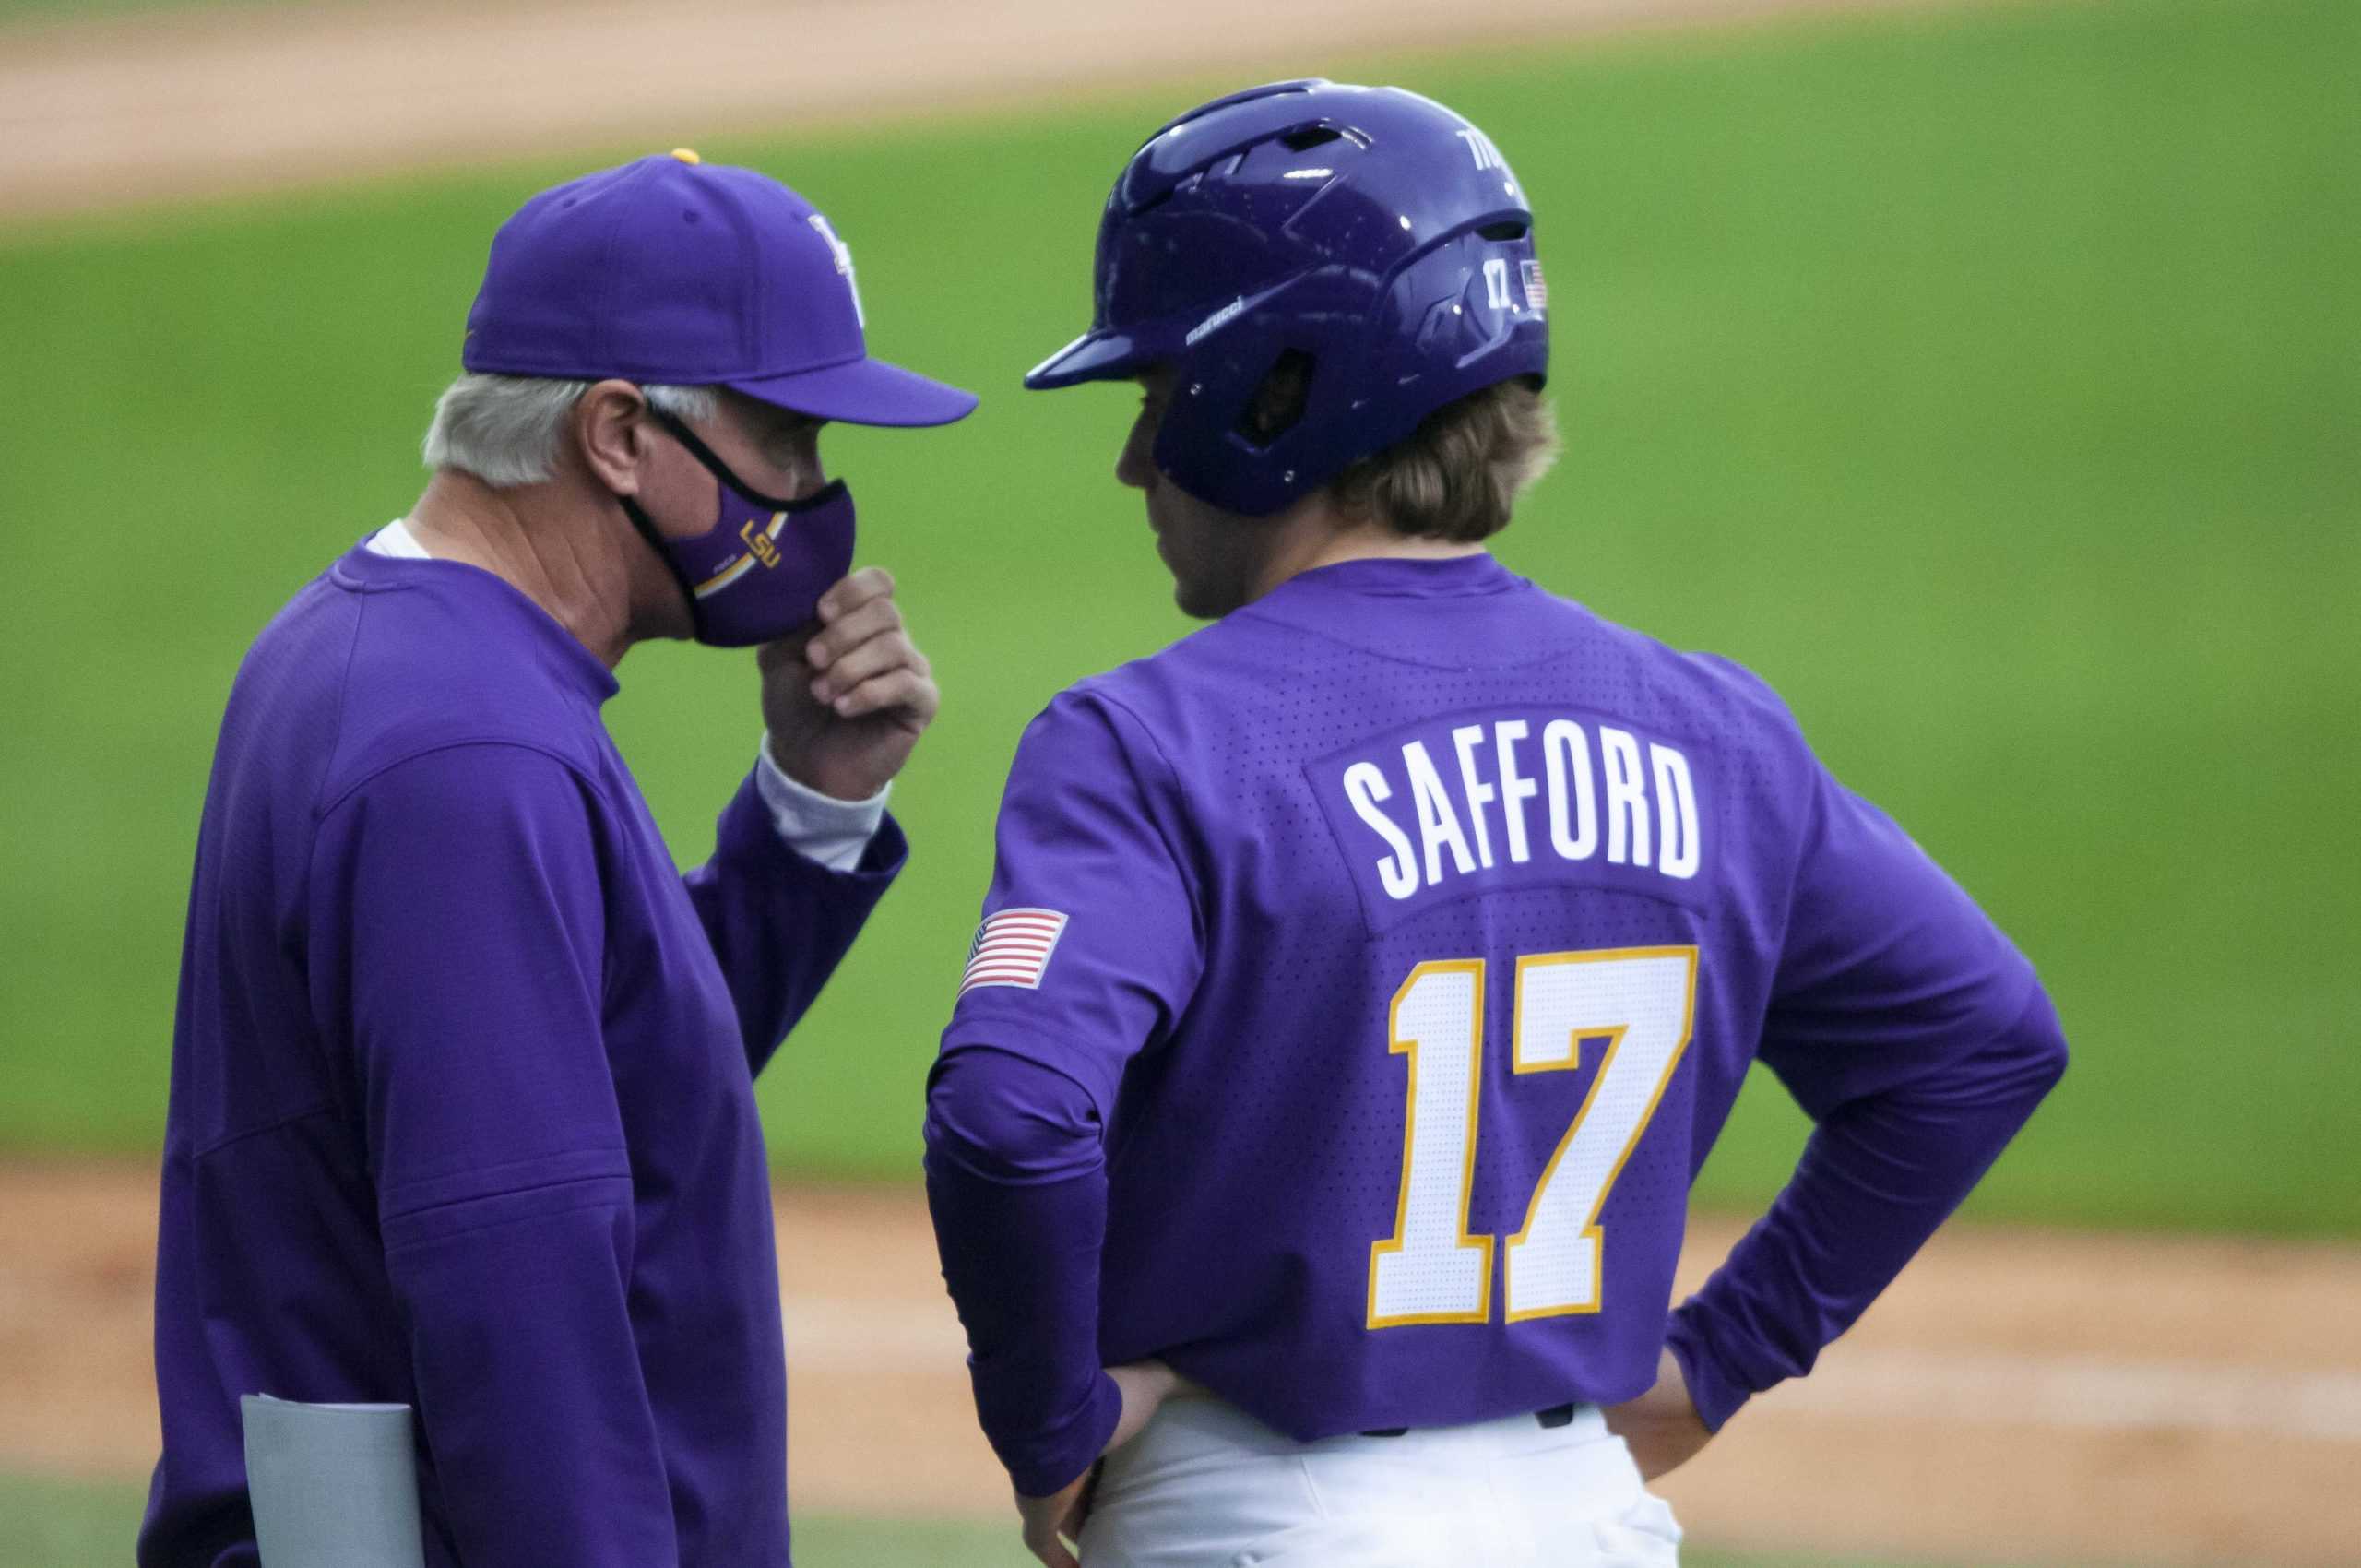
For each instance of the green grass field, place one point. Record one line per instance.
(1985, 380)
(53, 1524)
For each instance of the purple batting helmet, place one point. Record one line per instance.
(1367, 235)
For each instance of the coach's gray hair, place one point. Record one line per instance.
(504, 429)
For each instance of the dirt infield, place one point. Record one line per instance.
(204, 101)
(2030, 1397)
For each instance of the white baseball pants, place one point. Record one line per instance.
(1207, 1486)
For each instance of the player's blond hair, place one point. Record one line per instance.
(1459, 474)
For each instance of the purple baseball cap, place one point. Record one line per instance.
(674, 270)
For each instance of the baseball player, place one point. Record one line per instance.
(1364, 979)
(462, 1106)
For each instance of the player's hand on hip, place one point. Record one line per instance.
(847, 699)
(1145, 1386)
(1051, 1523)
(1662, 1427)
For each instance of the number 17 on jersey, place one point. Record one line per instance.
(1633, 1009)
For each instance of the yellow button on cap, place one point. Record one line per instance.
(687, 155)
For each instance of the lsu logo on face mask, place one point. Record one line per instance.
(759, 542)
(803, 546)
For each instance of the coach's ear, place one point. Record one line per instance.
(611, 434)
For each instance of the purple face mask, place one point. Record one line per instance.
(758, 573)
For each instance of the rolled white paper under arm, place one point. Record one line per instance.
(333, 1486)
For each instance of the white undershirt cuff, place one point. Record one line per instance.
(819, 827)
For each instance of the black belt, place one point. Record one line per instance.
(1555, 1415)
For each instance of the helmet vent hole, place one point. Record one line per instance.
(1309, 137)
(1278, 404)
(1510, 230)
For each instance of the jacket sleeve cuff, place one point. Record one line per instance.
(1711, 1387)
(749, 835)
(1060, 1457)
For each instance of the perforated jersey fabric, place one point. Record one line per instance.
(1303, 853)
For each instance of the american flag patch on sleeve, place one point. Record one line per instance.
(1013, 947)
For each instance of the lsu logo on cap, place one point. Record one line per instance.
(844, 266)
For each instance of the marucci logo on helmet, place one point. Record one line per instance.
(1215, 322)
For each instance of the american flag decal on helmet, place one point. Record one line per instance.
(1537, 292)
(1013, 947)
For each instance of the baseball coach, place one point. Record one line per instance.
(462, 1110)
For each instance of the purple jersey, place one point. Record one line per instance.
(1410, 931)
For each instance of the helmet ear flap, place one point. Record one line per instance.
(1279, 401)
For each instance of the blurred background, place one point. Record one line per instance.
(1986, 375)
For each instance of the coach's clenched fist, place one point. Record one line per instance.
(845, 704)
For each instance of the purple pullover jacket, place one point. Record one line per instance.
(462, 1104)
